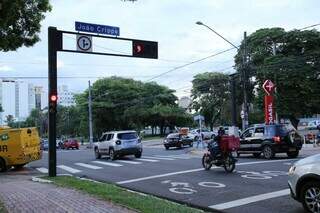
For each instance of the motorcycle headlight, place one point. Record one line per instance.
(291, 170)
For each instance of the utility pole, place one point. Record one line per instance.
(245, 119)
(274, 53)
(233, 99)
(90, 118)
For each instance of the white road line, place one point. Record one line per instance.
(158, 176)
(42, 170)
(252, 199)
(147, 160)
(88, 166)
(129, 162)
(158, 158)
(193, 170)
(69, 169)
(173, 156)
(107, 163)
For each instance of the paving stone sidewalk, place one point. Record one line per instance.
(20, 194)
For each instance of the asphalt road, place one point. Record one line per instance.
(257, 185)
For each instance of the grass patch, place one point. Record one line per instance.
(2, 208)
(123, 197)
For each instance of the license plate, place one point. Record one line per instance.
(292, 149)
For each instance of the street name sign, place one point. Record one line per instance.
(198, 117)
(97, 28)
(84, 43)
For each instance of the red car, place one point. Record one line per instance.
(71, 143)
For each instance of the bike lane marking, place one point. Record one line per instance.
(252, 199)
(195, 170)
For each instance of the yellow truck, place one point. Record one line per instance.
(18, 147)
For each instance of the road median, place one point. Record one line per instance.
(120, 196)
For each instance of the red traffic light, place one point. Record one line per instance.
(144, 49)
(53, 98)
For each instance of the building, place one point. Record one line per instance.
(65, 97)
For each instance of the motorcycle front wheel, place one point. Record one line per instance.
(229, 164)
(206, 162)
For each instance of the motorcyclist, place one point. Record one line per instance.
(214, 147)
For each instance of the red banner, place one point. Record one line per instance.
(269, 111)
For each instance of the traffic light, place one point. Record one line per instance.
(53, 103)
(144, 49)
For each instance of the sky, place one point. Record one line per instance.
(169, 22)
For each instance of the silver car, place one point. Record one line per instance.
(304, 182)
(117, 144)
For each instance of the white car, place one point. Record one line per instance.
(304, 182)
(117, 144)
(314, 124)
(206, 134)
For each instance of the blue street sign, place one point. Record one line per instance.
(97, 28)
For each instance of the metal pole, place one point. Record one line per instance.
(90, 118)
(245, 120)
(52, 86)
(233, 100)
(274, 52)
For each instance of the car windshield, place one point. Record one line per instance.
(173, 136)
(127, 136)
(279, 130)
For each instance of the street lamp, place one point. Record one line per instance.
(245, 105)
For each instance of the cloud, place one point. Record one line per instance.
(5, 68)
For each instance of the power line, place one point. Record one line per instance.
(188, 64)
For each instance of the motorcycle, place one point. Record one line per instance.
(223, 159)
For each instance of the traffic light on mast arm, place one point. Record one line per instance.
(144, 49)
(53, 98)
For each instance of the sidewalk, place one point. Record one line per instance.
(20, 194)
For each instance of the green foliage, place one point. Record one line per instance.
(120, 103)
(20, 22)
(291, 61)
(210, 94)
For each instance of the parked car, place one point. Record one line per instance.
(117, 144)
(71, 143)
(44, 144)
(314, 124)
(206, 134)
(304, 182)
(177, 140)
(269, 140)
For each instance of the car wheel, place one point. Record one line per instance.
(112, 154)
(256, 155)
(97, 154)
(293, 154)
(3, 166)
(268, 152)
(167, 147)
(310, 194)
(77, 148)
(138, 155)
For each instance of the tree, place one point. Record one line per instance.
(121, 103)
(291, 61)
(20, 22)
(210, 94)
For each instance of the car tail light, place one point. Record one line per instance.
(277, 139)
(118, 142)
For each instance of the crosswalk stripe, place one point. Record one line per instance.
(88, 166)
(107, 163)
(129, 162)
(42, 170)
(147, 160)
(69, 169)
(158, 158)
(173, 156)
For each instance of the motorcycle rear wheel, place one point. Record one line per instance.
(229, 164)
(206, 162)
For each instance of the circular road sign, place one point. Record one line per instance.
(84, 43)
